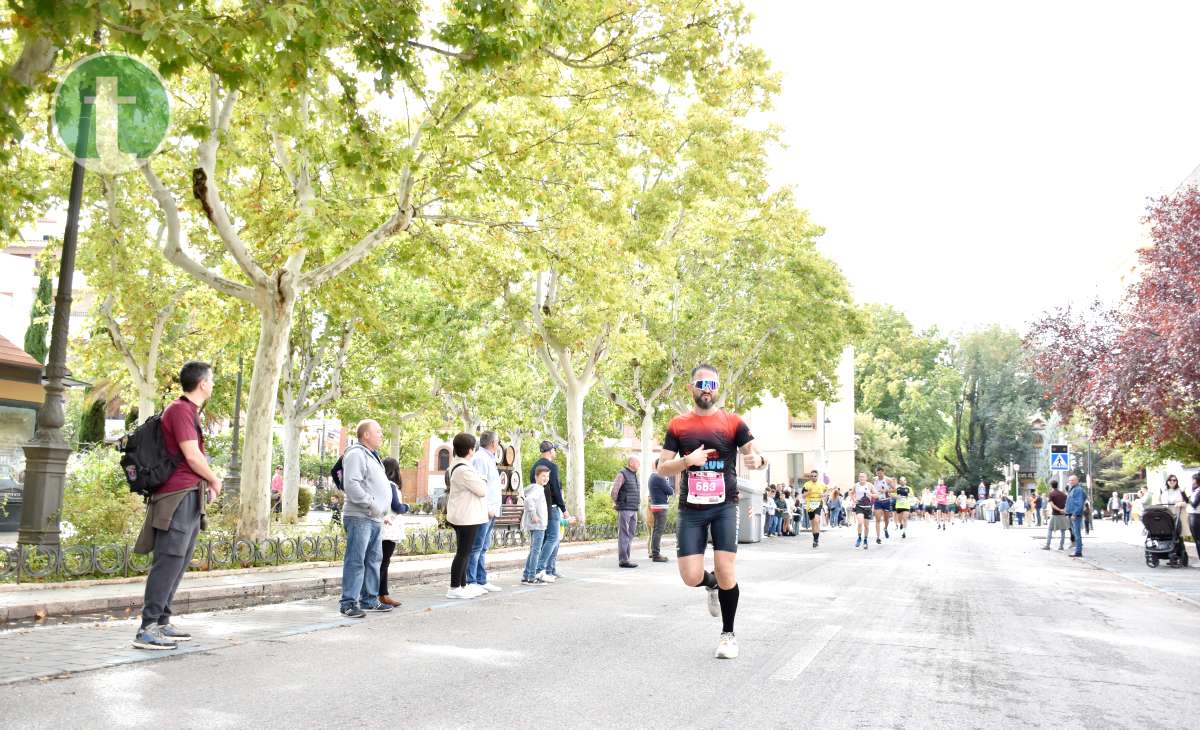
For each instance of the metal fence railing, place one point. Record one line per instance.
(25, 563)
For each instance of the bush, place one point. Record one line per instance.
(91, 429)
(304, 501)
(600, 509)
(600, 464)
(97, 501)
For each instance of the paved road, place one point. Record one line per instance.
(968, 628)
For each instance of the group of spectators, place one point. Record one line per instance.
(372, 509)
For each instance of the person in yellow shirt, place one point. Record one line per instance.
(814, 502)
(904, 502)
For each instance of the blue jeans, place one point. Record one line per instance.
(1077, 533)
(548, 560)
(360, 566)
(476, 567)
(536, 539)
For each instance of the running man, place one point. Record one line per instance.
(864, 494)
(814, 500)
(904, 503)
(709, 439)
(882, 505)
(941, 496)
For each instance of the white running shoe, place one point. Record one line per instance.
(474, 590)
(492, 587)
(546, 577)
(714, 603)
(456, 593)
(728, 648)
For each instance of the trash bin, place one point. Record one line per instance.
(750, 517)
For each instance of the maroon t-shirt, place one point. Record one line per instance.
(179, 422)
(1059, 499)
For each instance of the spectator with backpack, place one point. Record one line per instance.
(174, 443)
(368, 501)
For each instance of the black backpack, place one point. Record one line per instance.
(336, 474)
(145, 460)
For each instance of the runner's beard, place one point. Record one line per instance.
(704, 401)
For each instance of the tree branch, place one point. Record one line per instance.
(220, 114)
(119, 342)
(173, 250)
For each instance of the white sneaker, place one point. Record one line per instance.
(714, 603)
(474, 590)
(728, 648)
(456, 593)
(492, 587)
(546, 577)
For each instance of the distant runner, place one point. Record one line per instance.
(864, 494)
(904, 502)
(814, 494)
(941, 498)
(883, 504)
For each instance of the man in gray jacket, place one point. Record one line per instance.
(626, 496)
(368, 497)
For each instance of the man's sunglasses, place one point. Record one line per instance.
(706, 385)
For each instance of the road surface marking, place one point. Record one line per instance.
(798, 663)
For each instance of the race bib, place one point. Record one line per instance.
(706, 487)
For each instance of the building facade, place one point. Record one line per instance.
(797, 443)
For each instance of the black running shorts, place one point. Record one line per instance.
(695, 526)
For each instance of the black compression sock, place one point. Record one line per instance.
(710, 580)
(729, 602)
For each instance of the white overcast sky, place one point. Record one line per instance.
(978, 162)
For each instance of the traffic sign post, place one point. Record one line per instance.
(1060, 458)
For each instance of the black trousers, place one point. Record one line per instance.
(172, 553)
(1194, 526)
(465, 539)
(389, 547)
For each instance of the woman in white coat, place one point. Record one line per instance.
(466, 510)
(392, 532)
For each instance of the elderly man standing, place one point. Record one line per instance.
(368, 499)
(484, 463)
(626, 496)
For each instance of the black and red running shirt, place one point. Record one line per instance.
(722, 432)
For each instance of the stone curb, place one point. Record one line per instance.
(506, 558)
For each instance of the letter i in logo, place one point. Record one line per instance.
(112, 159)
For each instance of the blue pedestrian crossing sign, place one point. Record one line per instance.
(1060, 457)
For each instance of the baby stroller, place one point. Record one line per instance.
(1164, 539)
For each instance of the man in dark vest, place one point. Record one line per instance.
(626, 495)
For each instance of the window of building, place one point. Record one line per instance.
(17, 424)
(802, 422)
(443, 459)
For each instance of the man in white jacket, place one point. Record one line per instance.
(368, 499)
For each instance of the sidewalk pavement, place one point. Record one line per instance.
(208, 590)
(1119, 549)
(48, 651)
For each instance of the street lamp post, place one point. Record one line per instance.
(46, 454)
